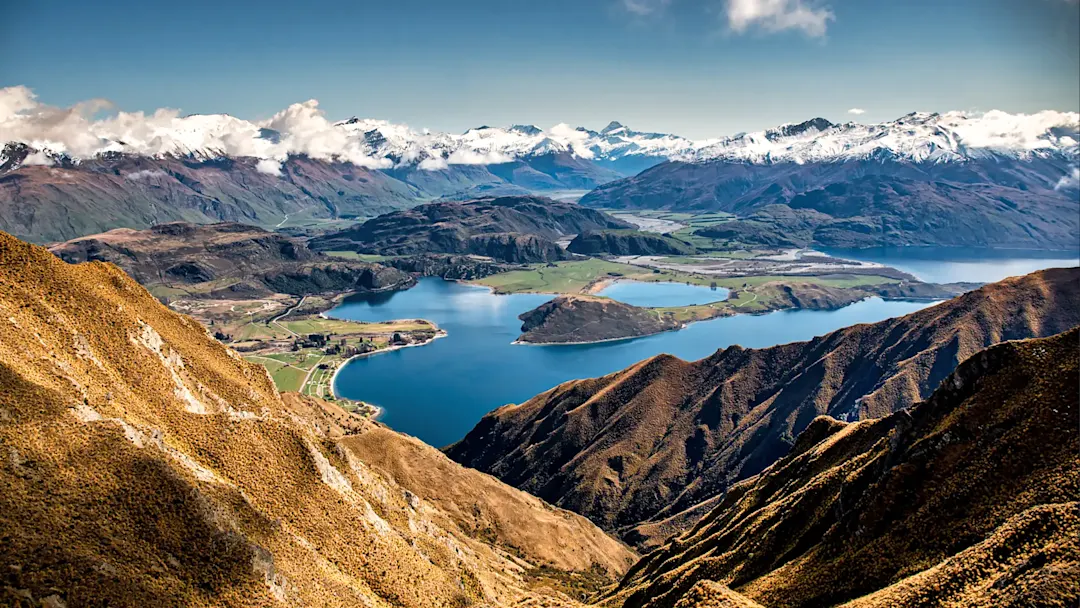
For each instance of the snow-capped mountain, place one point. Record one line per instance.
(303, 129)
(82, 174)
(917, 137)
(996, 180)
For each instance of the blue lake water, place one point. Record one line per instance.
(439, 391)
(960, 264)
(655, 295)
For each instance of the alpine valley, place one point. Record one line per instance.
(297, 361)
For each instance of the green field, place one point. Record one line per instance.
(285, 329)
(566, 277)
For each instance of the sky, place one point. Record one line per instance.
(697, 68)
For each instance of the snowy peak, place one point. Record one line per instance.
(302, 129)
(915, 137)
(812, 126)
(613, 126)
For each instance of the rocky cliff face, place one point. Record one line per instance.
(448, 266)
(638, 446)
(969, 498)
(144, 462)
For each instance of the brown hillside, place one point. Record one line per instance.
(664, 435)
(967, 499)
(143, 463)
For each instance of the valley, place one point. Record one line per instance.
(303, 361)
(113, 402)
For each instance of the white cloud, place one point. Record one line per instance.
(38, 158)
(433, 164)
(302, 127)
(779, 15)
(145, 174)
(997, 129)
(645, 7)
(1069, 181)
(472, 157)
(856, 111)
(268, 166)
(577, 140)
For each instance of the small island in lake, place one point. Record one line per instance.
(580, 318)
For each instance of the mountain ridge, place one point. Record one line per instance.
(968, 498)
(635, 447)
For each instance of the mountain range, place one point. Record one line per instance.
(146, 463)
(59, 183)
(228, 260)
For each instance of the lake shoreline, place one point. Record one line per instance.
(379, 410)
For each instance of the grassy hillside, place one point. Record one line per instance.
(968, 499)
(147, 464)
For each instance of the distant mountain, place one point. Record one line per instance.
(57, 184)
(73, 199)
(924, 179)
(967, 499)
(228, 260)
(633, 448)
(508, 228)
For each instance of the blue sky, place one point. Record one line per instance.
(698, 68)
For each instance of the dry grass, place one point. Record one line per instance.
(969, 499)
(146, 464)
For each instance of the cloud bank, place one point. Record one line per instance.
(778, 16)
(856, 111)
(300, 129)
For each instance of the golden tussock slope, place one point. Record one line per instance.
(143, 463)
(634, 449)
(967, 499)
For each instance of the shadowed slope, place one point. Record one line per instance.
(665, 435)
(507, 228)
(227, 259)
(968, 499)
(144, 464)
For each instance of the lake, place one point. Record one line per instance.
(654, 295)
(960, 264)
(439, 391)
